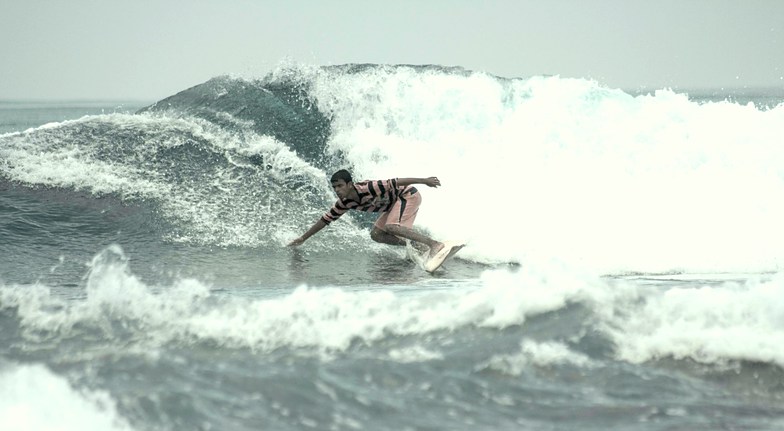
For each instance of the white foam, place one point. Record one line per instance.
(533, 353)
(32, 398)
(321, 319)
(112, 293)
(414, 354)
(729, 321)
(563, 168)
(733, 321)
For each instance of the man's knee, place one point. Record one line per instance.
(377, 235)
(394, 229)
(388, 235)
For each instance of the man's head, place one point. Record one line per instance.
(341, 175)
(342, 183)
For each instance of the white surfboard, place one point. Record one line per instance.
(449, 250)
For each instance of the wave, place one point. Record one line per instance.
(535, 170)
(278, 108)
(559, 318)
(208, 185)
(707, 324)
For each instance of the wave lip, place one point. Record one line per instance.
(279, 108)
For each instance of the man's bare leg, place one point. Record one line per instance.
(383, 237)
(398, 232)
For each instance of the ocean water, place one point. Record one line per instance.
(623, 267)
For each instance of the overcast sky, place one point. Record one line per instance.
(150, 49)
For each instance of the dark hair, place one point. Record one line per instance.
(341, 175)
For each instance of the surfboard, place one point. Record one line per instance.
(449, 250)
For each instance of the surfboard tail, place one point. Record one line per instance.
(449, 250)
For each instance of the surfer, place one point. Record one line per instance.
(396, 199)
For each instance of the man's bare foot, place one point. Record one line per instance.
(436, 248)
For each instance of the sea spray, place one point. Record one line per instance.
(548, 167)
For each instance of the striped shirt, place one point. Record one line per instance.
(374, 196)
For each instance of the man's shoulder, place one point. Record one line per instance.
(363, 186)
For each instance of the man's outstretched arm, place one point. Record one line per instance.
(317, 226)
(429, 181)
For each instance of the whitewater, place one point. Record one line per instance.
(622, 266)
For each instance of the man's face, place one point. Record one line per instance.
(342, 188)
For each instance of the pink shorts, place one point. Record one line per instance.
(403, 212)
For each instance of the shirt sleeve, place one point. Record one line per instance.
(334, 213)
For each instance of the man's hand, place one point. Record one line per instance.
(317, 226)
(432, 182)
(429, 181)
(297, 242)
